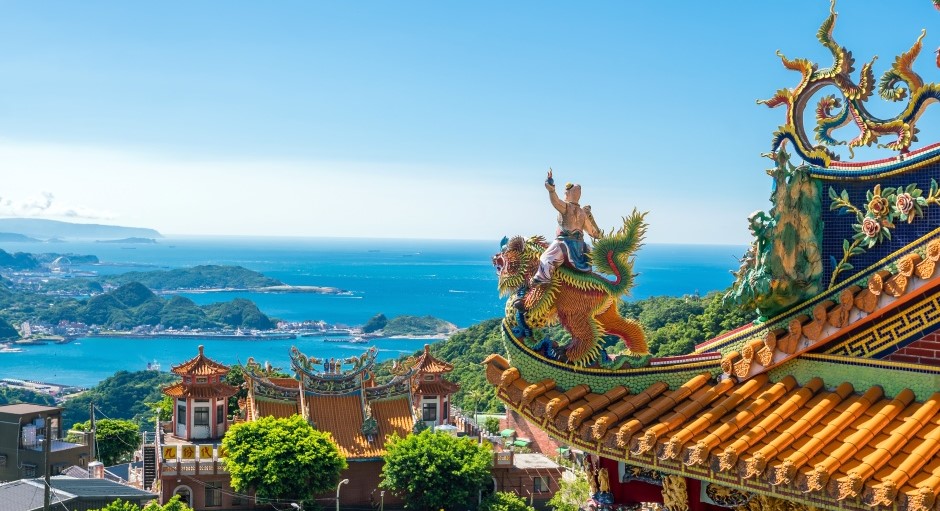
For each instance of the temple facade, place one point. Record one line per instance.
(830, 398)
(339, 396)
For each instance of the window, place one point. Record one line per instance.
(201, 416)
(540, 484)
(202, 379)
(444, 412)
(219, 414)
(181, 414)
(29, 470)
(429, 377)
(429, 412)
(213, 495)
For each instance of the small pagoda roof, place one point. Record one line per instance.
(200, 365)
(200, 391)
(427, 363)
(436, 388)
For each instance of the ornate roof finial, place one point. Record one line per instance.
(832, 112)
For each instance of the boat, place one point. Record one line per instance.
(153, 366)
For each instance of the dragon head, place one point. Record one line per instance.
(517, 261)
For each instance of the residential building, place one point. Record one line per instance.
(23, 440)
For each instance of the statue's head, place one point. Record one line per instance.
(517, 261)
(572, 192)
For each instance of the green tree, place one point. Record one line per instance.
(123, 395)
(120, 505)
(436, 470)
(173, 504)
(573, 491)
(281, 458)
(163, 408)
(376, 322)
(505, 501)
(116, 439)
(491, 424)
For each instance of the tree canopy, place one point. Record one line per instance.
(505, 501)
(173, 504)
(573, 491)
(281, 458)
(123, 395)
(436, 470)
(116, 439)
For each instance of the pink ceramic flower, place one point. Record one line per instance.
(904, 203)
(871, 227)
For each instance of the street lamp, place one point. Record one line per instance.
(341, 483)
(298, 507)
(382, 502)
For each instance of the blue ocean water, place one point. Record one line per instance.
(452, 280)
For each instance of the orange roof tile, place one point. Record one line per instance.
(342, 417)
(200, 391)
(437, 388)
(200, 365)
(856, 447)
(273, 408)
(426, 363)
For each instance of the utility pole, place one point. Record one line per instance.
(46, 444)
(92, 444)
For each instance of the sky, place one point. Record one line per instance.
(415, 119)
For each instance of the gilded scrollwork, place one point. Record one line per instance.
(898, 83)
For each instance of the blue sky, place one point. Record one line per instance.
(411, 119)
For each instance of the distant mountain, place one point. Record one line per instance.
(128, 240)
(46, 229)
(14, 237)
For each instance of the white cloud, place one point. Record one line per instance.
(46, 206)
(317, 198)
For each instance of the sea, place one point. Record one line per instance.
(451, 280)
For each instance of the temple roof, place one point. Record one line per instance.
(338, 411)
(200, 391)
(440, 387)
(200, 365)
(427, 363)
(809, 440)
(342, 416)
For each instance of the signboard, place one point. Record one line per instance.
(169, 452)
(205, 452)
(188, 452)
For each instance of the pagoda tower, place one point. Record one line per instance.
(431, 391)
(200, 399)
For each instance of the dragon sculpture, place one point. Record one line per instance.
(783, 266)
(585, 303)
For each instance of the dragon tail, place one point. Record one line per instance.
(613, 253)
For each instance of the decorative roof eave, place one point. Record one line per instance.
(912, 277)
(883, 273)
(200, 365)
(399, 386)
(743, 436)
(221, 390)
(428, 364)
(333, 369)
